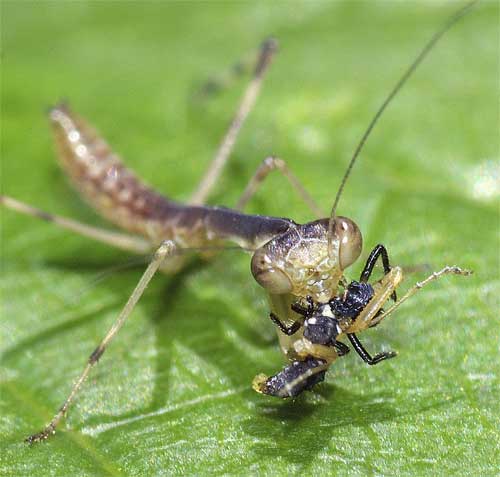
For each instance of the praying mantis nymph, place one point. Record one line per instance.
(300, 266)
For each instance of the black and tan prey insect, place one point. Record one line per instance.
(301, 266)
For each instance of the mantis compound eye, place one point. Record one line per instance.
(271, 278)
(351, 241)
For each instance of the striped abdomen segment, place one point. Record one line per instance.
(99, 175)
(118, 195)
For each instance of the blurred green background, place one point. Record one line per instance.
(172, 395)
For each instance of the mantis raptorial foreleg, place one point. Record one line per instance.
(448, 270)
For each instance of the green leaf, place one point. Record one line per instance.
(172, 395)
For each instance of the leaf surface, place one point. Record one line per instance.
(172, 395)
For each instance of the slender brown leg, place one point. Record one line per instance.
(275, 164)
(225, 78)
(115, 239)
(166, 248)
(214, 171)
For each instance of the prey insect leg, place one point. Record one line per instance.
(268, 165)
(449, 270)
(305, 311)
(288, 330)
(365, 356)
(342, 349)
(378, 251)
(115, 239)
(166, 249)
(214, 171)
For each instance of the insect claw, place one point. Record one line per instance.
(383, 356)
(40, 436)
(462, 271)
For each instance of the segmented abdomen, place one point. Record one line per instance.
(118, 195)
(99, 175)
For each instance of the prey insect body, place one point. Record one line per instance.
(314, 337)
(300, 266)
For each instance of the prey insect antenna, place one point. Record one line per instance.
(395, 90)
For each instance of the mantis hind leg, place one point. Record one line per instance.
(131, 243)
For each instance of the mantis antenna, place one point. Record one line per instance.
(404, 78)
